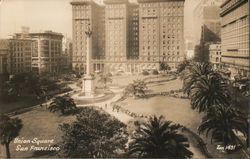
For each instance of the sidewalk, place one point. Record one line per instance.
(107, 106)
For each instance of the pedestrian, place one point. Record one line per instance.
(106, 106)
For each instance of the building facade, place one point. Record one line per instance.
(4, 56)
(235, 36)
(161, 32)
(67, 54)
(206, 16)
(87, 13)
(47, 52)
(20, 55)
(135, 37)
(215, 55)
(17, 53)
(117, 34)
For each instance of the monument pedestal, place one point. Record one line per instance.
(88, 86)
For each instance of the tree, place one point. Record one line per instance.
(196, 70)
(222, 121)
(209, 91)
(164, 66)
(94, 134)
(34, 84)
(9, 129)
(104, 79)
(64, 104)
(158, 138)
(183, 65)
(17, 84)
(136, 89)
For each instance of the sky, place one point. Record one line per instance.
(55, 15)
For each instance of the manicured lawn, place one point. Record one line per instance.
(39, 124)
(176, 110)
(18, 103)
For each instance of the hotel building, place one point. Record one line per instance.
(87, 13)
(161, 25)
(135, 36)
(235, 36)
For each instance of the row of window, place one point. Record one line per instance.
(242, 10)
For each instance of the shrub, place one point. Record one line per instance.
(145, 73)
(155, 72)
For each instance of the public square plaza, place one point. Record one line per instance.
(40, 123)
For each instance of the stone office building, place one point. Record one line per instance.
(134, 37)
(19, 54)
(235, 36)
(46, 51)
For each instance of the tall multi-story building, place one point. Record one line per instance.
(235, 36)
(206, 16)
(117, 34)
(135, 37)
(161, 26)
(215, 55)
(133, 15)
(67, 54)
(87, 13)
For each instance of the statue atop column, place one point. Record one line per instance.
(88, 80)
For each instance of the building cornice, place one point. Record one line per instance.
(152, 1)
(115, 1)
(232, 7)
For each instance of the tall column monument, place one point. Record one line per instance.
(88, 87)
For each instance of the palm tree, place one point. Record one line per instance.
(208, 91)
(63, 104)
(159, 138)
(104, 79)
(223, 122)
(9, 129)
(196, 70)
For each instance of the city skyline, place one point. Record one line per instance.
(58, 16)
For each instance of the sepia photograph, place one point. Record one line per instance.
(124, 79)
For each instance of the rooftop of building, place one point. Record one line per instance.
(47, 32)
(27, 36)
(84, 2)
(230, 5)
(152, 1)
(115, 1)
